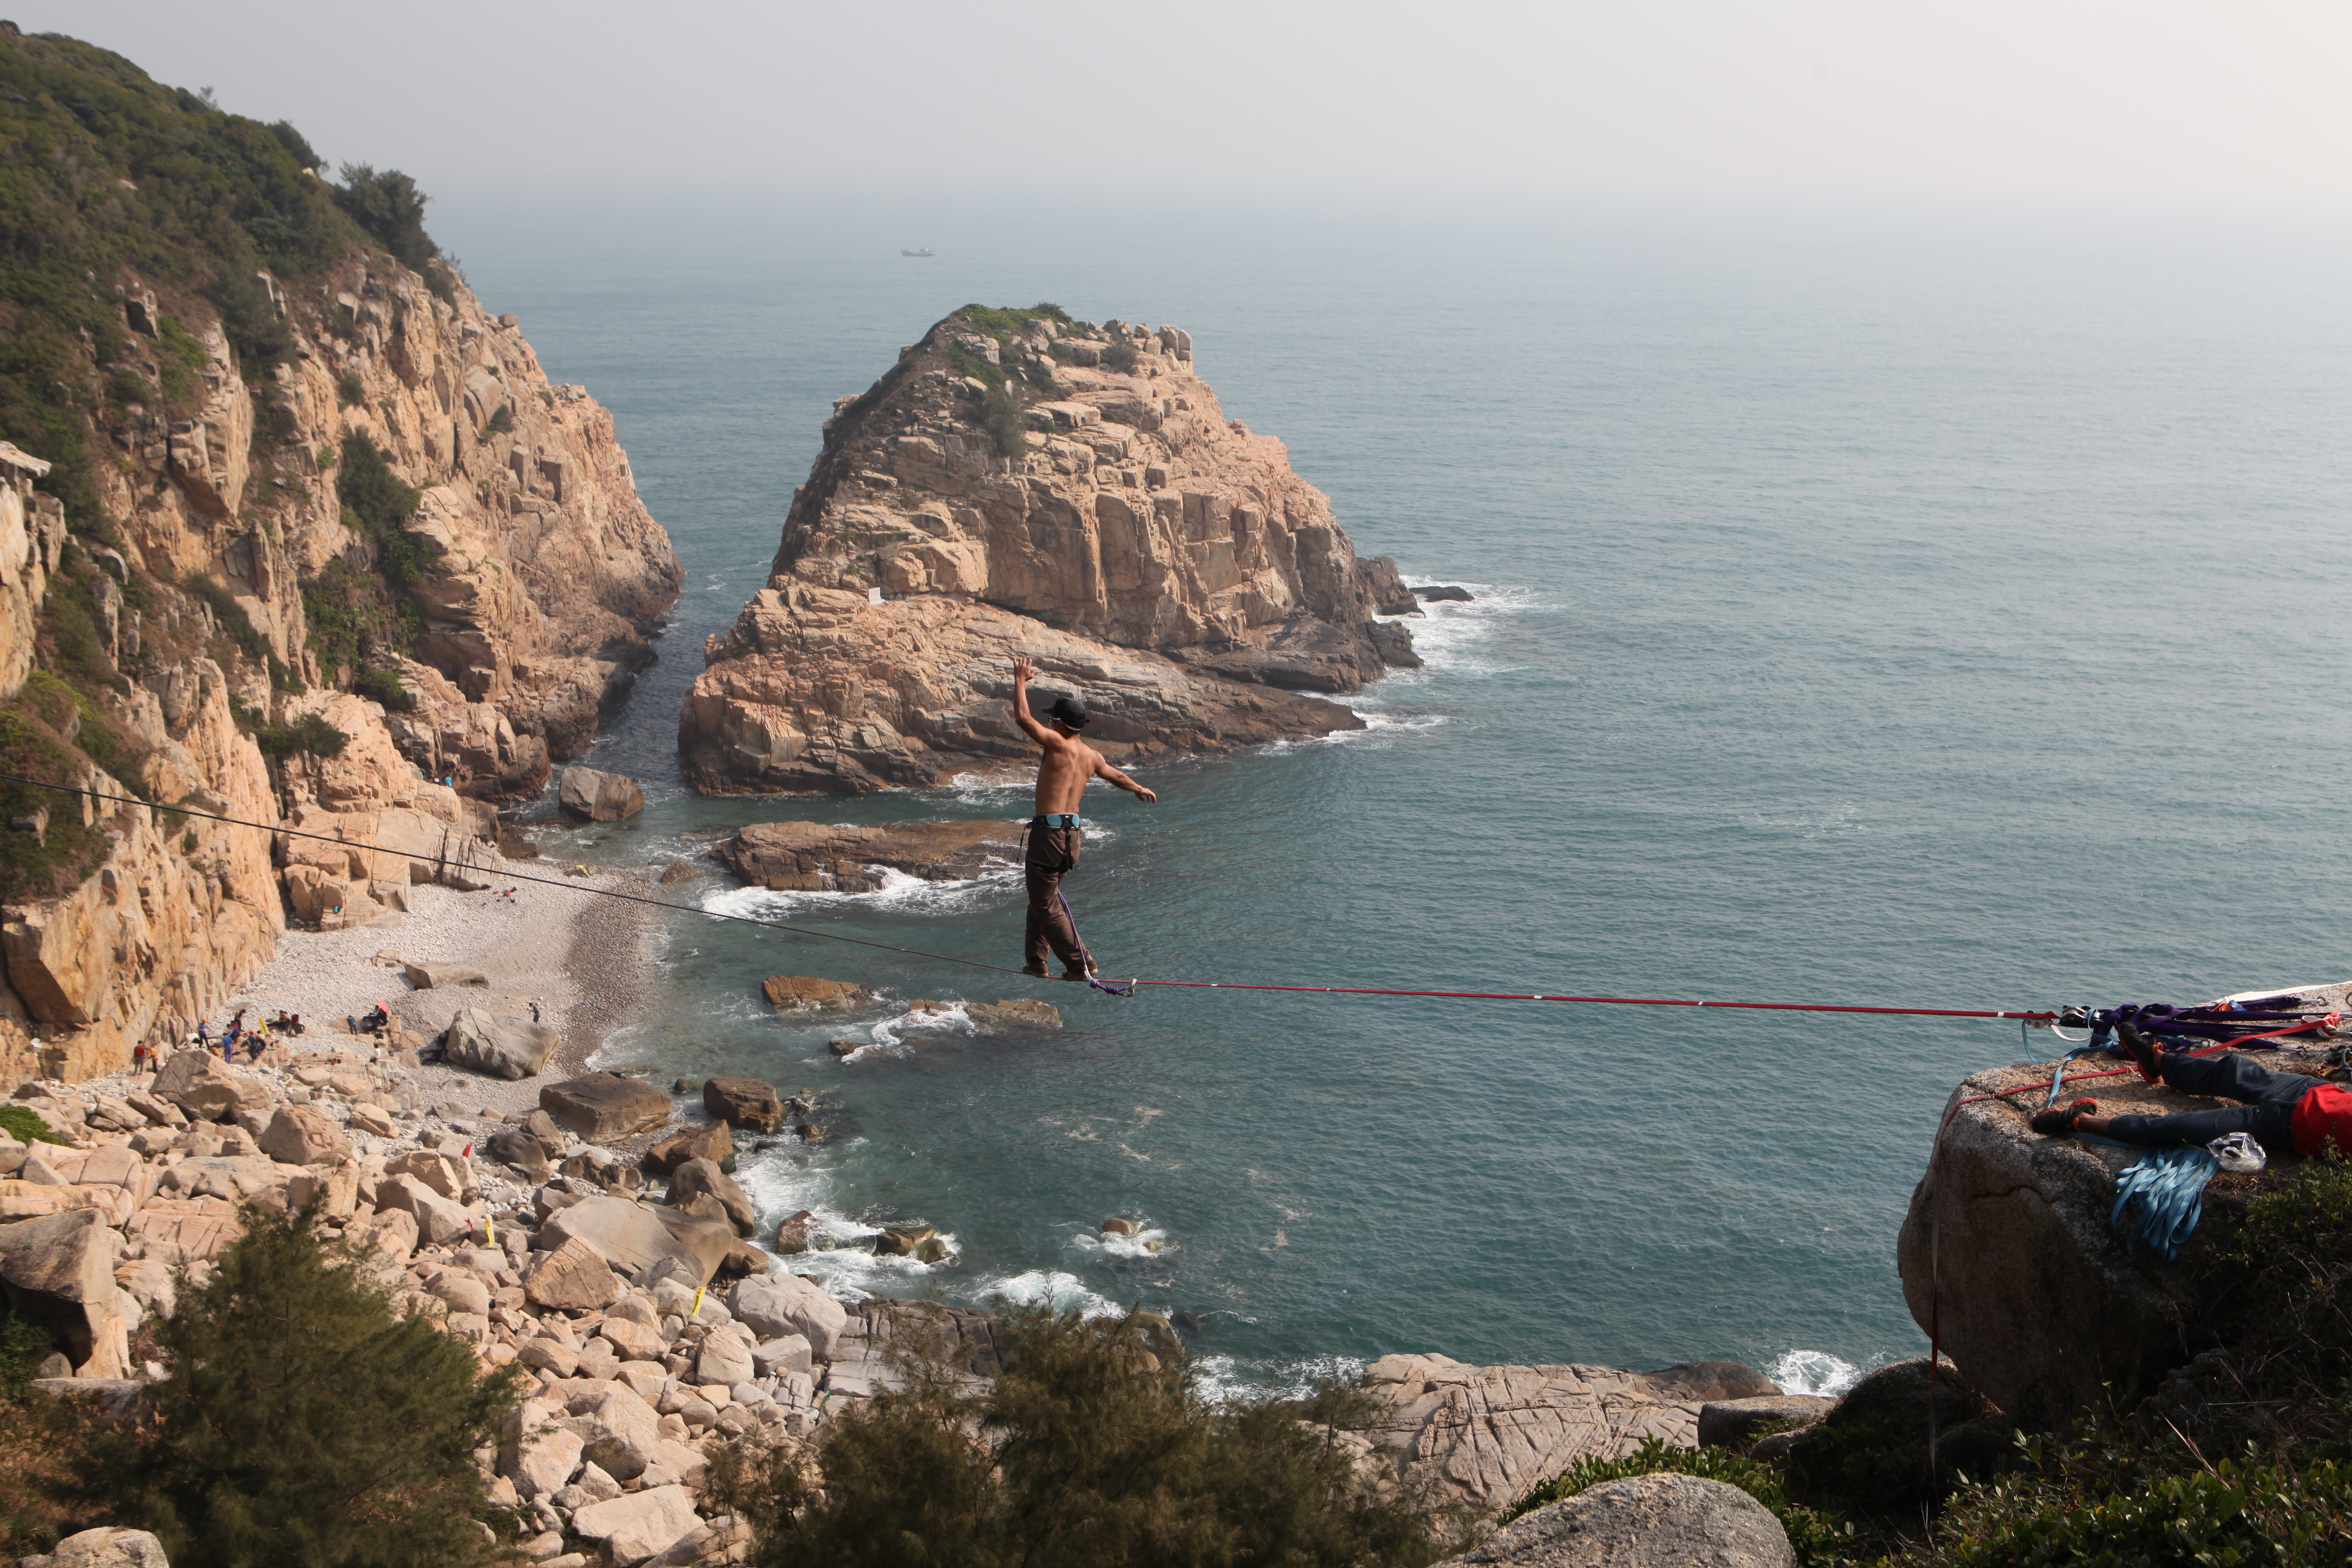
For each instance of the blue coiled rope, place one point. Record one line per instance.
(2163, 1193)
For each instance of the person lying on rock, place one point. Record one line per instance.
(2285, 1112)
(1063, 767)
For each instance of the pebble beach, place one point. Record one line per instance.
(549, 940)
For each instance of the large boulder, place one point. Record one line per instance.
(1663, 1521)
(706, 1141)
(58, 1270)
(640, 1525)
(1488, 1433)
(743, 1102)
(303, 1135)
(699, 1177)
(105, 1547)
(439, 1220)
(599, 797)
(603, 1105)
(544, 1461)
(498, 1045)
(1009, 1016)
(774, 1305)
(203, 1086)
(619, 1432)
(636, 1237)
(2007, 1256)
(573, 1277)
(428, 977)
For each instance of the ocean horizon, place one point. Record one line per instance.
(1917, 612)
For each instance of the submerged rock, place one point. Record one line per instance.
(814, 857)
(807, 994)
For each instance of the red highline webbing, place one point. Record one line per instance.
(1622, 1000)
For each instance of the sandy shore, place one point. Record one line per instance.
(581, 958)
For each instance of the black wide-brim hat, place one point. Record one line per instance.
(1069, 711)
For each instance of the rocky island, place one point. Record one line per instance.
(1022, 482)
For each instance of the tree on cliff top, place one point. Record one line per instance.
(306, 1422)
(1081, 1455)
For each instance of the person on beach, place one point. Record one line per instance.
(2285, 1112)
(1065, 764)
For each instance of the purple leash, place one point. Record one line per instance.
(1084, 956)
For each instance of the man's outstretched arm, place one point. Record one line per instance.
(1022, 671)
(1118, 780)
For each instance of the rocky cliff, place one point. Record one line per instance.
(1020, 481)
(297, 534)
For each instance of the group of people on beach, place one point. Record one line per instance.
(235, 1034)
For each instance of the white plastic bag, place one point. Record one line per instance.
(2238, 1152)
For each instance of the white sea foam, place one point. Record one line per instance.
(1226, 1380)
(1815, 1373)
(1094, 1245)
(897, 891)
(1049, 1287)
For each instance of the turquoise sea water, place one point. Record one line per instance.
(1926, 614)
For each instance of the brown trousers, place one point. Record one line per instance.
(1053, 855)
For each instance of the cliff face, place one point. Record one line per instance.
(247, 492)
(1157, 558)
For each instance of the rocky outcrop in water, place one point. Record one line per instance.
(1153, 556)
(809, 857)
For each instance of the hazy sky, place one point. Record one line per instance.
(1105, 104)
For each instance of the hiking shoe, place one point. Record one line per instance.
(2142, 1055)
(1089, 971)
(1035, 966)
(2055, 1122)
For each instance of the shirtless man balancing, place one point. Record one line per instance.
(1062, 770)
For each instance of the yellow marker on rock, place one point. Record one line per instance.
(695, 1311)
(490, 1229)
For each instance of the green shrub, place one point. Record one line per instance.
(1119, 355)
(22, 1124)
(349, 390)
(305, 1421)
(311, 735)
(24, 1345)
(2233, 1513)
(390, 208)
(501, 423)
(1077, 1458)
(1007, 423)
(383, 686)
(178, 358)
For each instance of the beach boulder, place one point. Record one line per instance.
(427, 976)
(599, 797)
(499, 1046)
(603, 1105)
(573, 1277)
(774, 1305)
(701, 1178)
(743, 1102)
(708, 1141)
(301, 1135)
(1662, 1521)
(638, 1237)
(1006, 1016)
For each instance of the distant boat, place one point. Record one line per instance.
(927, 251)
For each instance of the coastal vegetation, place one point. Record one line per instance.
(1087, 1452)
